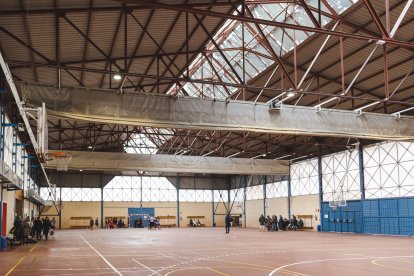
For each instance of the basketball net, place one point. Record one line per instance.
(62, 160)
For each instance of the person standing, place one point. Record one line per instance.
(262, 221)
(97, 223)
(18, 229)
(151, 220)
(91, 223)
(274, 223)
(281, 223)
(32, 229)
(38, 225)
(53, 225)
(46, 227)
(26, 231)
(228, 223)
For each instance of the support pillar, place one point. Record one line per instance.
(1, 210)
(228, 194)
(289, 195)
(2, 158)
(102, 201)
(60, 201)
(320, 182)
(263, 178)
(361, 171)
(177, 183)
(244, 200)
(213, 184)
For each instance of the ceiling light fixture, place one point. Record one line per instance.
(117, 76)
(290, 94)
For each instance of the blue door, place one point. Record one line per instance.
(135, 214)
(338, 220)
(332, 223)
(344, 221)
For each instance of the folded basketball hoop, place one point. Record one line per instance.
(62, 159)
(334, 204)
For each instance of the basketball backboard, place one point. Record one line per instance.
(42, 133)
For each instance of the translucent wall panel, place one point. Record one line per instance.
(128, 188)
(277, 189)
(8, 143)
(195, 195)
(254, 192)
(389, 170)
(237, 195)
(44, 193)
(340, 176)
(221, 195)
(304, 177)
(158, 189)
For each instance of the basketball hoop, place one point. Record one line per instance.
(62, 159)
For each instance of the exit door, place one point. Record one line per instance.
(3, 209)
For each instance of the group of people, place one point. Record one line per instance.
(31, 230)
(154, 223)
(194, 223)
(274, 224)
(91, 223)
(113, 223)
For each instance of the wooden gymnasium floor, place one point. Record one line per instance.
(208, 251)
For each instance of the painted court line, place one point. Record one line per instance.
(336, 259)
(141, 264)
(100, 255)
(18, 262)
(195, 267)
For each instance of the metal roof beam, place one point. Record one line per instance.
(158, 5)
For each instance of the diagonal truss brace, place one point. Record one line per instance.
(23, 115)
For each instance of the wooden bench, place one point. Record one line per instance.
(305, 219)
(169, 225)
(79, 225)
(167, 217)
(76, 218)
(196, 217)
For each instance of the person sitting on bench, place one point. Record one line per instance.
(191, 223)
(198, 223)
(285, 224)
(300, 223)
